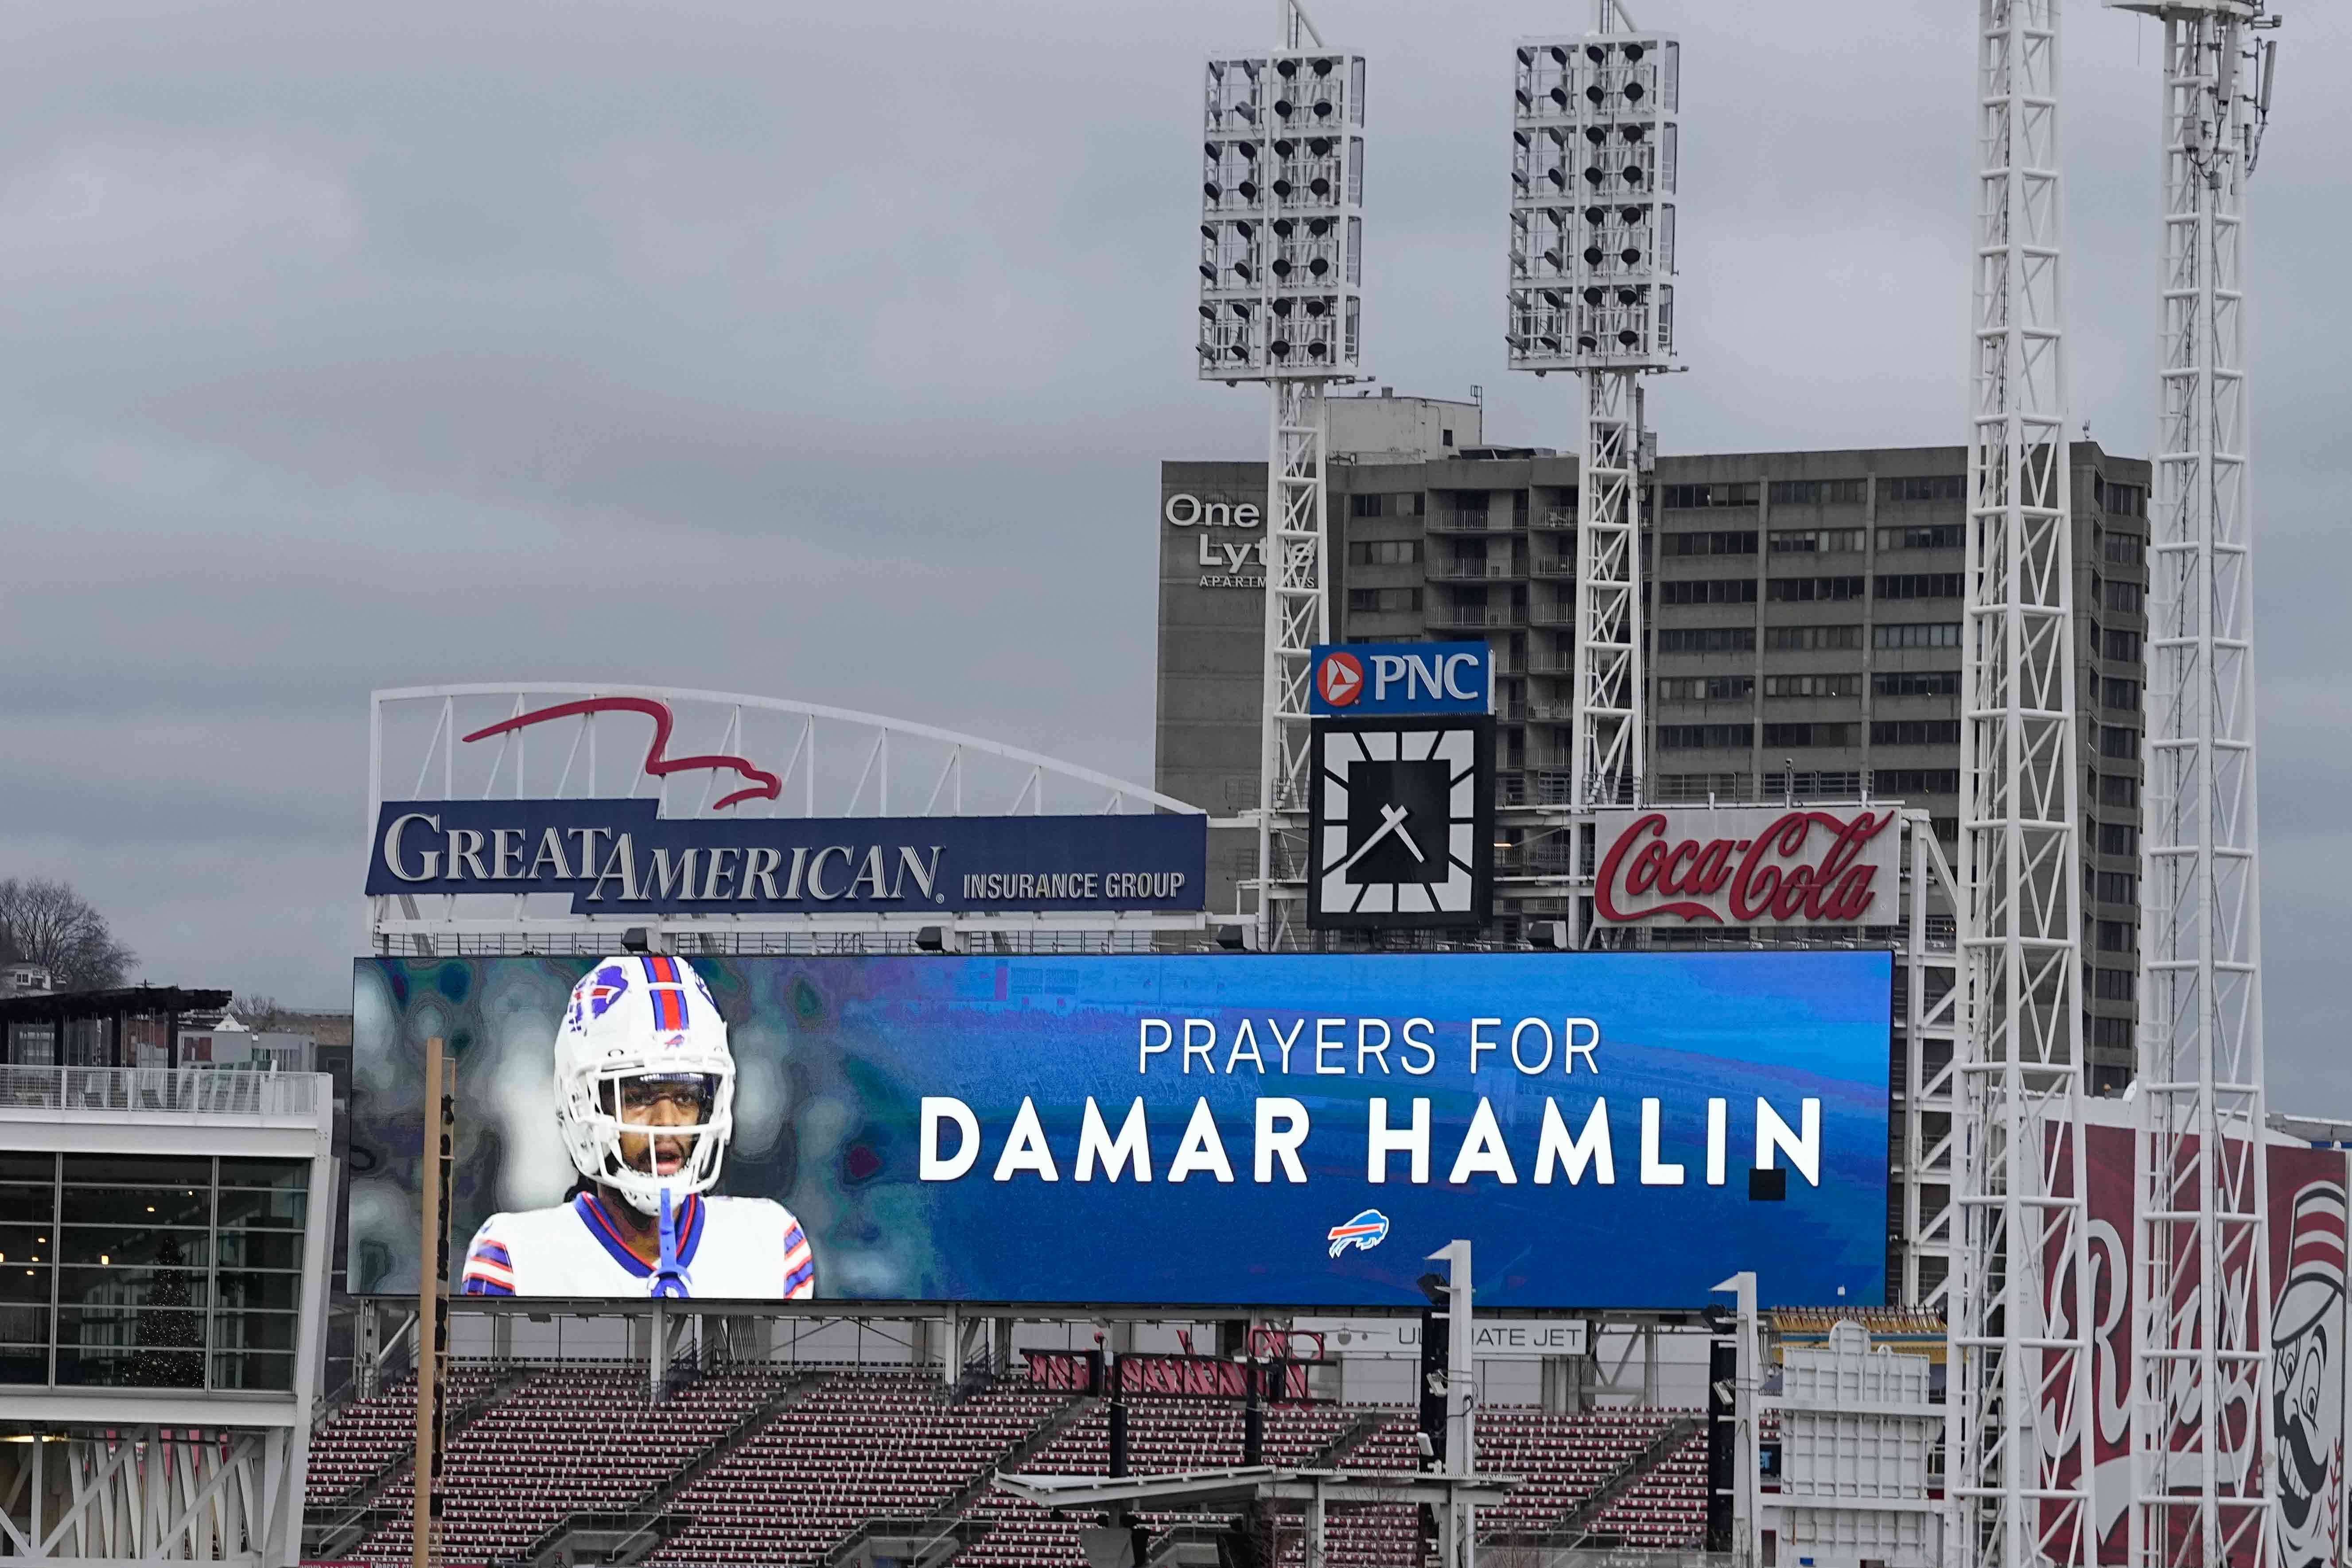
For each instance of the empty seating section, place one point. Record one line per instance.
(856, 1448)
(575, 1440)
(843, 1450)
(367, 1436)
(1665, 1508)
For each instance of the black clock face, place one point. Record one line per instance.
(1400, 822)
(1397, 828)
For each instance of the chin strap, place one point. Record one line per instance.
(670, 1274)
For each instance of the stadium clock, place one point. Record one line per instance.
(1401, 823)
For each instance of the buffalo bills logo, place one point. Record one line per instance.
(1364, 1232)
(605, 988)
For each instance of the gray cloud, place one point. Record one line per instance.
(831, 353)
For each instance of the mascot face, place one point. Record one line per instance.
(2307, 1381)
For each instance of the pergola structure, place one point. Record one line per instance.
(108, 1012)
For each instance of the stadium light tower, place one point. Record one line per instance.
(2202, 1308)
(2019, 1417)
(1281, 270)
(1593, 151)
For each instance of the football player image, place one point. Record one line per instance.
(644, 1090)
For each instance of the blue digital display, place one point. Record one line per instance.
(1609, 1130)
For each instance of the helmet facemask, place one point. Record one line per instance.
(630, 1129)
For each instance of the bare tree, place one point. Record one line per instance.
(47, 922)
(257, 1012)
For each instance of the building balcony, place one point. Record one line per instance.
(1557, 517)
(1472, 571)
(1552, 713)
(1559, 616)
(1469, 618)
(1486, 522)
(1552, 569)
(1561, 664)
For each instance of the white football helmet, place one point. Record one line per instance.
(643, 1016)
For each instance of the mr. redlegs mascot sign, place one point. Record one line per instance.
(1749, 866)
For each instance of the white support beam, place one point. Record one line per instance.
(2021, 1410)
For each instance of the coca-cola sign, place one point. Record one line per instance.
(1801, 865)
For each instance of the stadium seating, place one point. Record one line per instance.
(853, 1449)
(770, 1464)
(368, 1436)
(566, 1441)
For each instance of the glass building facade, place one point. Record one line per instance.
(151, 1270)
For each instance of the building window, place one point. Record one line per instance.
(1365, 506)
(1920, 585)
(1845, 685)
(2121, 500)
(2115, 887)
(1705, 688)
(1812, 541)
(1817, 492)
(1382, 601)
(1812, 639)
(1926, 634)
(1709, 640)
(1915, 683)
(2122, 647)
(1915, 732)
(1934, 535)
(1914, 780)
(1704, 736)
(2124, 598)
(1709, 591)
(2111, 1032)
(2118, 790)
(1444, 437)
(1801, 735)
(2115, 691)
(1383, 552)
(1722, 541)
(2117, 741)
(2118, 839)
(2125, 549)
(1939, 488)
(1686, 496)
(1813, 589)
(2115, 936)
(2112, 985)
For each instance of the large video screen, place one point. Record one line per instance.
(1608, 1130)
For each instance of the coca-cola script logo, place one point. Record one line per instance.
(1802, 867)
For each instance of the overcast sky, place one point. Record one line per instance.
(830, 352)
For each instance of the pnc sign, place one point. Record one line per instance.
(1748, 865)
(1366, 678)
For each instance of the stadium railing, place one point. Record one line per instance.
(182, 1091)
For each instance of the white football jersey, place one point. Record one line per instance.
(732, 1248)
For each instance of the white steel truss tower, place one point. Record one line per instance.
(1281, 264)
(2020, 1409)
(1594, 155)
(2201, 1407)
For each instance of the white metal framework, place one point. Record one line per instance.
(140, 1492)
(1593, 161)
(2201, 1410)
(703, 754)
(2020, 1414)
(1282, 195)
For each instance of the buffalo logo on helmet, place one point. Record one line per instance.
(2307, 1380)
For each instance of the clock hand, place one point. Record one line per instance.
(1408, 837)
(1391, 821)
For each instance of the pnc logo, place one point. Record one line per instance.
(1341, 681)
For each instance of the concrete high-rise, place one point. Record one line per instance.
(1802, 611)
